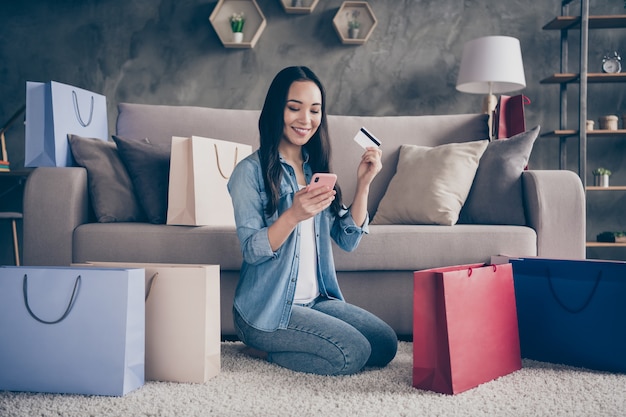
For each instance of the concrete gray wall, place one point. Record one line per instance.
(166, 52)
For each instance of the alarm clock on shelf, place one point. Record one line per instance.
(611, 63)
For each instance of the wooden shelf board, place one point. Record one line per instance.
(590, 133)
(604, 132)
(605, 245)
(595, 22)
(611, 188)
(592, 77)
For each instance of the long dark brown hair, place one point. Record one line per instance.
(271, 126)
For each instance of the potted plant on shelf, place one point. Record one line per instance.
(601, 177)
(237, 21)
(353, 24)
(612, 237)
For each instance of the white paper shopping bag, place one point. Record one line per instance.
(183, 333)
(199, 171)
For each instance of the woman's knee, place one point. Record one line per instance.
(346, 355)
(384, 348)
(356, 355)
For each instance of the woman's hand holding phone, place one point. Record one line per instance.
(315, 197)
(322, 180)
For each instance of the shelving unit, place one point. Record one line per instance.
(253, 27)
(366, 18)
(300, 7)
(583, 22)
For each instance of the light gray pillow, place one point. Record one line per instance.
(430, 184)
(496, 195)
(110, 188)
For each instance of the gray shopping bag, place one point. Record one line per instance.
(54, 110)
(72, 330)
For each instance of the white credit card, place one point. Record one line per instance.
(366, 139)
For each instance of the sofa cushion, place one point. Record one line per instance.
(163, 243)
(149, 169)
(430, 184)
(385, 248)
(110, 187)
(414, 247)
(496, 194)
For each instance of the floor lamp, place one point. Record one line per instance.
(491, 65)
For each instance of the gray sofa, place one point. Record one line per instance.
(59, 229)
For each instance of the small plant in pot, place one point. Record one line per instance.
(612, 237)
(237, 21)
(601, 177)
(353, 24)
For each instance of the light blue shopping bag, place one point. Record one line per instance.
(72, 330)
(54, 110)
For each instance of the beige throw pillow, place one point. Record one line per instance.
(430, 184)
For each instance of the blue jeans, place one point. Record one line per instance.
(325, 337)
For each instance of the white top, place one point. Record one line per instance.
(307, 288)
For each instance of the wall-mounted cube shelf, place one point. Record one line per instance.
(253, 28)
(359, 11)
(299, 6)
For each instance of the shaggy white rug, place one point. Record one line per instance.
(250, 387)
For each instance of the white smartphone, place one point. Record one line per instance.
(365, 138)
(321, 180)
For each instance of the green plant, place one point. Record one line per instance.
(236, 22)
(353, 19)
(601, 171)
(610, 237)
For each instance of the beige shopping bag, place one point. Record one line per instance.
(199, 172)
(183, 331)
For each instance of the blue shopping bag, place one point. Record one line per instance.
(72, 330)
(54, 110)
(572, 311)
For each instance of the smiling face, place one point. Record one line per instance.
(302, 114)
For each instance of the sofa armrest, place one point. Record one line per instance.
(56, 201)
(556, 208)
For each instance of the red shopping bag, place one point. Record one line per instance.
(464, 327)
(509, 118)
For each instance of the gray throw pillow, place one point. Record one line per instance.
(430, 184)
(149, 169)
(496, 194)
(110, 187)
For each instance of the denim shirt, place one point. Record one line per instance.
(267, 281)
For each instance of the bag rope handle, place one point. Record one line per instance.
(77, 110)
(562, 304)
(471, 270)
(67, 310)
(219, 167)
(150, 284)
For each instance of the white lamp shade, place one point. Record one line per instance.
(492, 64)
